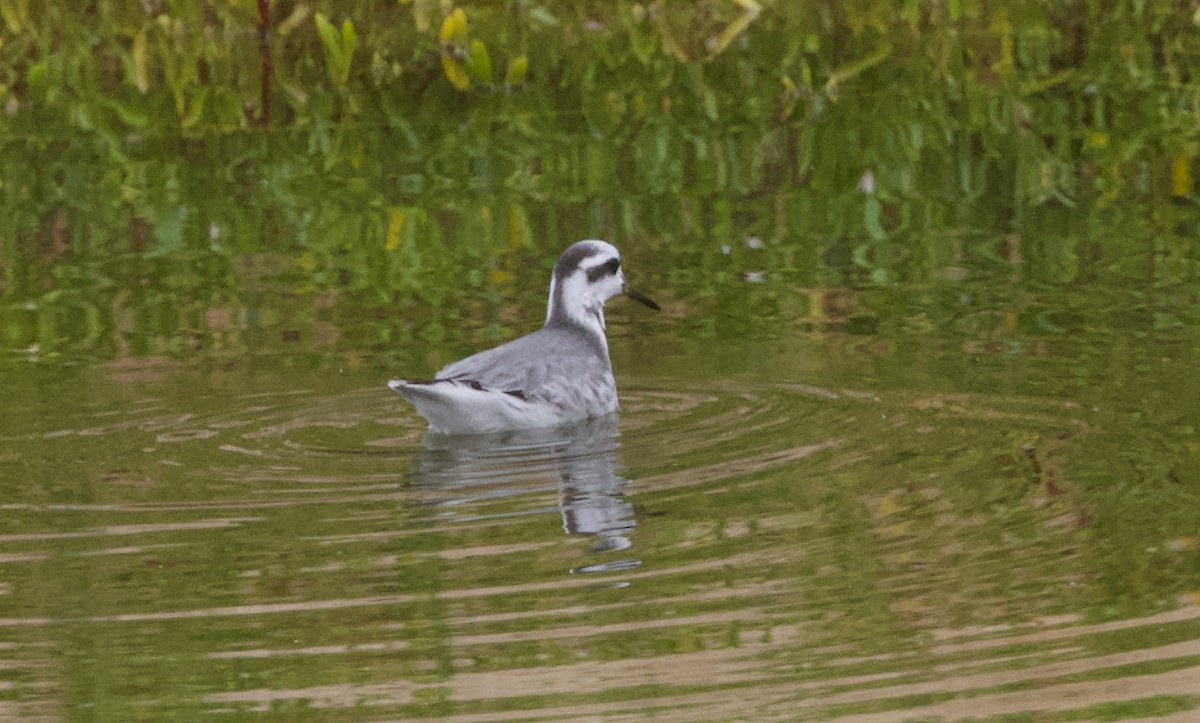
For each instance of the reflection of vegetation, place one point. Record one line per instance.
(156, 152)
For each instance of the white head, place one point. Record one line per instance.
(586, 276)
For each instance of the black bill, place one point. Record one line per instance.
(641, 298)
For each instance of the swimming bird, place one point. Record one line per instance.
(558, 374)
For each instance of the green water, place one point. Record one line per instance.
(914, 437)
(885, 525)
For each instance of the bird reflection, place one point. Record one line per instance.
(474, 478)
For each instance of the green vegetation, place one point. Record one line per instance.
(169, 162)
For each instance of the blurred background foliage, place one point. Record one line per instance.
(191, 174)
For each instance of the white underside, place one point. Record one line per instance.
(455, 408)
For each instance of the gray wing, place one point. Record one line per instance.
(536, 366)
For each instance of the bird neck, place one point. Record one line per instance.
(571, 307)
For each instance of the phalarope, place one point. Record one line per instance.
(560, 373)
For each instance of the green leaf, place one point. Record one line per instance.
(141, 73)
(479, 63)
(134, 117)
(543, 16)
(329, 36)
(339, 48)
(196, 110)
(454, 28)
(517, 68)
(349, 37)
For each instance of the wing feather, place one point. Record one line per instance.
(543, 366)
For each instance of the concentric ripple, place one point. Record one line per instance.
(730, 550)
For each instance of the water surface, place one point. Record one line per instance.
(823, 525)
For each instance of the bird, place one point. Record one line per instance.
(556, 375)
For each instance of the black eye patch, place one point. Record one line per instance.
(608, 268)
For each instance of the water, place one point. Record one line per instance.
(913, 439)
(989, 520)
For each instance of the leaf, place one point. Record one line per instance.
(750, 12)
(1181, 175)
(129, 115)
(349, 41)
(421, 12)
(395, 225)
(196, 111)
(454, 28)
(455, 72)
(329, 36)
(479, 63)
(805, 145)
(339, 48)
(331, 40)
(141, 75)
(1039, 85)
(453, 38)
(543, 16)
(517, 68)
(297, 16)
(849, 70)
